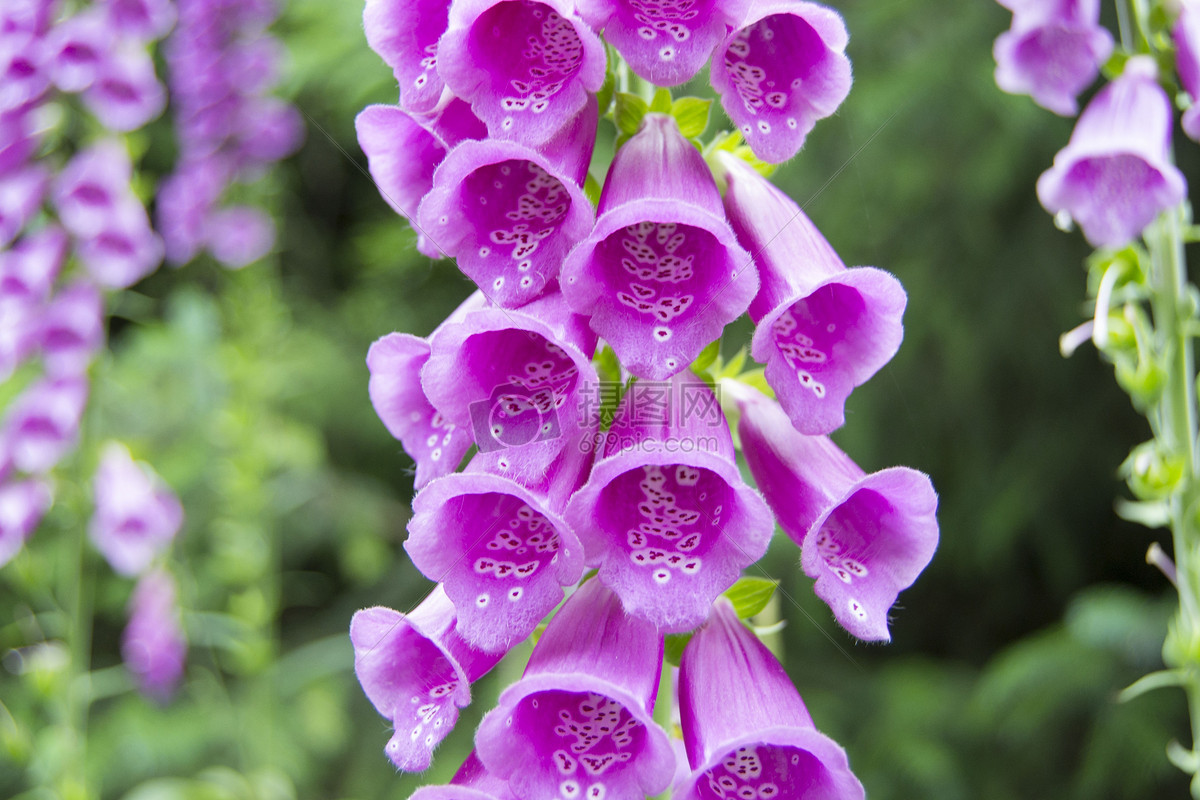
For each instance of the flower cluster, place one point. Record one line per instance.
(71, 228)
(574, 464)
(221, 65)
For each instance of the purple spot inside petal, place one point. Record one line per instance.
(526, 76)
(768, 772)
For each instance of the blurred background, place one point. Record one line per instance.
(247, 390)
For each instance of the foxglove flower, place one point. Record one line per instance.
(22, 505)
(471, 782)
(137, 515)
(526, 67)
(500, 547)
(24, 77)
(821, 329)
(509, 214)
(662, 273)
(403, 152)
(864, 538)
(514, 379)
(78, 48)
(126, 251)
(42, 424)
(17, 140)
(126, 94)
(665, 514)
(780, 72)
(1115, 175)
(29, 267)
(745, 728)
(1187, 62)
(239, 235)
(144, 20)
(21, 193)
(153, 644)
(94, 188)
(666, 43)
(72, 329)
(417, 670)
(405, 35)
(578, 724)
(1053, 50)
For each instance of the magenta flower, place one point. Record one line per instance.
(126, 93)
(509, 214)
(124, 252)
(28, 268)
(137, 515)
(1186, 34)
(21, 193)
(501, 548)
(471, 782)
(865, 538)
(1115, 175)
(24, 74)
(578, 724)
(514, 379)
(144, 20)
(43, 423)
(665, 513)
(746, 730)
(1052, 52)
(153, 645)
(821, 329)
(239, 235)
(405, 35)
(780, 72)
(17, 140)
(403, 152)
(186, 198)
(525, 67)
(417, 671)
(662, 273)
(666, 43)
(433, 442)
(94, 188)
(78, 48)
(22, 506)
(72, 329)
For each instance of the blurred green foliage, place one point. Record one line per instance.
(247, 391)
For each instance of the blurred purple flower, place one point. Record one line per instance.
(144, 20)
(72, 330)
(1115, 175)
(21, 193)
(579, 723)
(746, 730)
(1186, 34)
(22, 505)
(153, 644)
(28, 268)
(239, 235)
(1052, 51)
(137, 515)
(124, 252)
(77, 48)
(125, 94)
(417, 671)
(42, 424)
(94, 188)
(24, 74)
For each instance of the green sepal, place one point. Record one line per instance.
(750, 595)
(1150, 473)
(607, 89)
(661, 102)
(1162, 679)
(628, 113)
(592, 189)
(673, 644)
(691, 114)
(707, 357)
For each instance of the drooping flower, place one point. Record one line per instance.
(144, 20)
(125, 94)
(513, 378)
(403, 151)
(1052, 51)
(526, 67)
(22, 505)
(77, 48)
(1115, 174)
(780, 72)
(94, 188)
(153, 644)
(509, 214)
(662, 273)
(664, 41)
(239, 235)
(417, 671)
(42, 424)
(21, 193)
(29, 267)
(501, 548)
(745, 728)
(24, 77)
(72, 329)
(137, 515)
(578, 724)
(471, 782)
(1186, 34)
(405, 35)
(821, 329)
(126, 251)
(433, 442)
(864, 538)
(665, 513)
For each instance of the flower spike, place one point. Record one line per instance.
(782, 70)
(665, 514)
(865, 538)
(821, 329)
(578, 724)
(1115, 174)
(526, 67)
(662, 273)
(417, 671)
(745, 728)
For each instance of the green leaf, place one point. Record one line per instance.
(707, 356)
(628, 113)
(692, 115)
(733, 367)
(673, 647)
(661, 104)
(751, 595)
